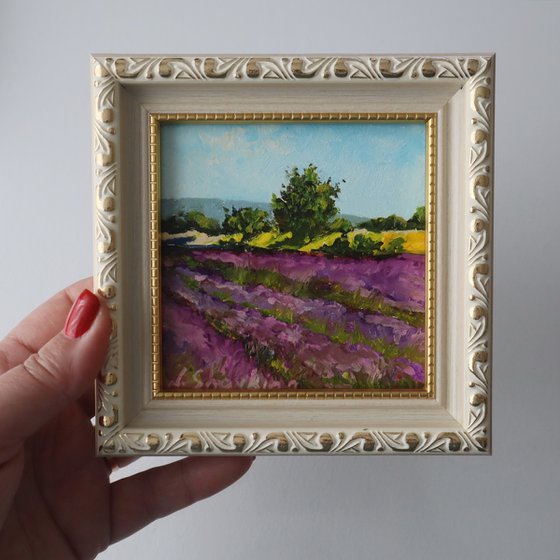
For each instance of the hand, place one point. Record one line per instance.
(56, 501)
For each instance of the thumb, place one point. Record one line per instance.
(58, 374)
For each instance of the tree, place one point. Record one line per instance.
(191, 220)
(248, 221)
(374, 224)
(418, 220)
(306, 205)
(392, 222)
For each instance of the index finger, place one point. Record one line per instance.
(39, 326)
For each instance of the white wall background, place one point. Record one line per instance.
(449, 508)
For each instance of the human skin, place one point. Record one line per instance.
(56, 497)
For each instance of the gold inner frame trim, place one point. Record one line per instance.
(154, 120)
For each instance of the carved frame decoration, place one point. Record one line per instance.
(459, 88)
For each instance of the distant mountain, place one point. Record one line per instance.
(354, 220)
(214, 207)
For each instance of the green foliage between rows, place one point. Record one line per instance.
(313, 289)
(334, 331)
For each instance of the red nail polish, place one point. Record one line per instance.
(81, 315)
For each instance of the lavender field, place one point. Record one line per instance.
(250, 320)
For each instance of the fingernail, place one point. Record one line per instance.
(81, 315)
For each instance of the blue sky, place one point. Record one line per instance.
(383, 164)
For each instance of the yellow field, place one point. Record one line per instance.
(414, 241)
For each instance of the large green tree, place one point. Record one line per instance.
(306, 204)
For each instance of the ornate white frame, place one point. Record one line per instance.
(458, 88)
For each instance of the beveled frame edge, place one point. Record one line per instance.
(475, 73)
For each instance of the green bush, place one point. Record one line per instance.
(248, 221)
(392, 222)
(364, 246)
(340, 247)
(340, 224)
(361, 246)
(394, 247)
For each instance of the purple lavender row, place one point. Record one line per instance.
(312, 358)
(195, 356)
(330, 313)
(400, 280)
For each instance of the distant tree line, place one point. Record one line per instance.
(305, 207)
(394, 222)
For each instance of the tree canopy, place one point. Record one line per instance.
(249, 221)
(306, 204)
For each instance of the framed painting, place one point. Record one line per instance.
(296, 252)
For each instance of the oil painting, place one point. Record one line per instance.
(293, 255)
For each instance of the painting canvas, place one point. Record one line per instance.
(293, 255)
